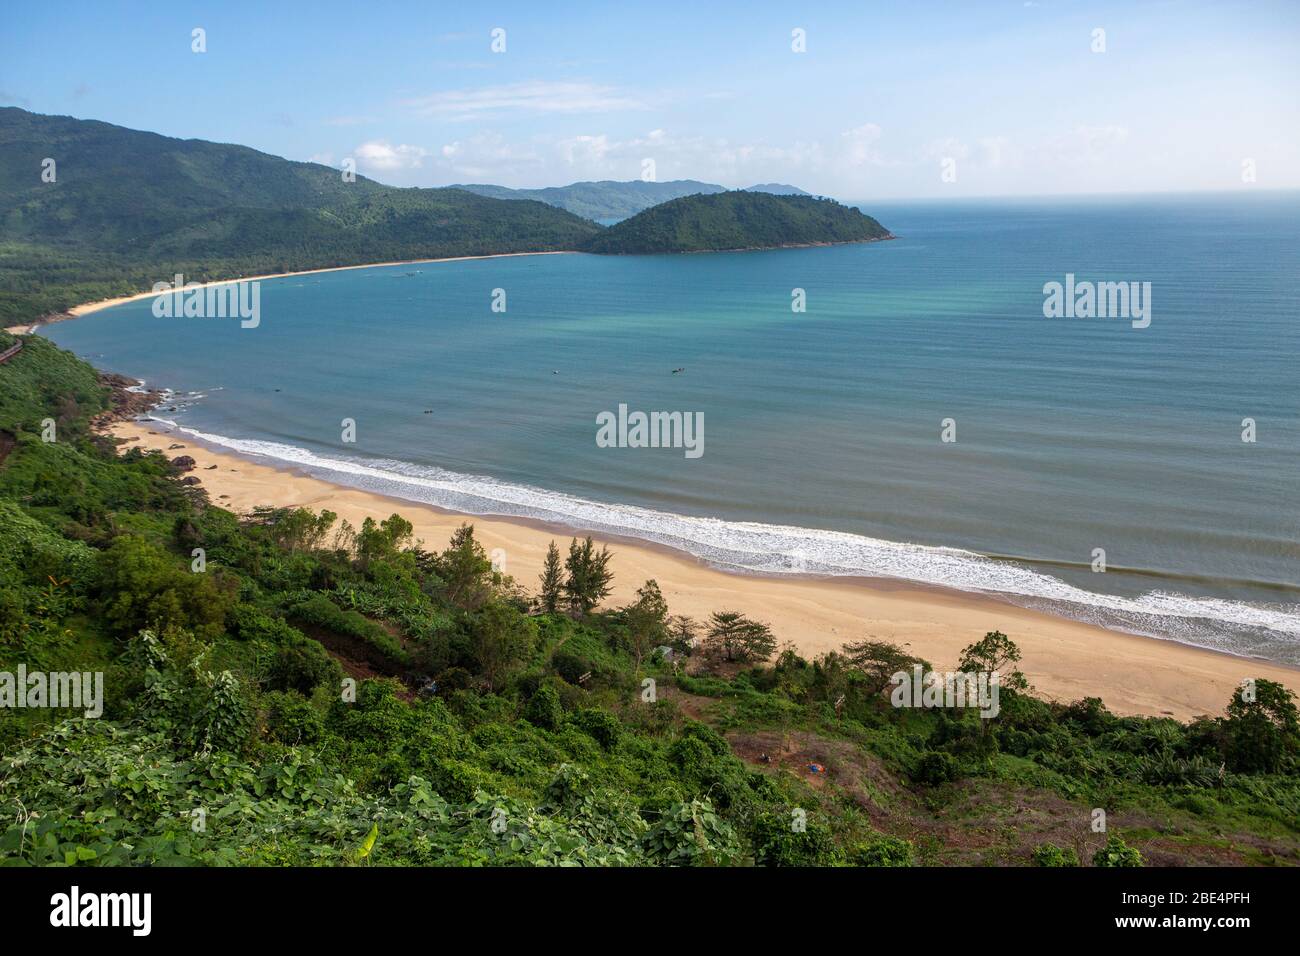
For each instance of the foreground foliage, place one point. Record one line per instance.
(328, 695)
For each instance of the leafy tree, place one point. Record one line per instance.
(877, 662)
(501, 639)
(647, 621)
(297, 529)
(142, 586)
(683, 632)
(995, 652)
(381, 541)
(552, 578)
(1262, 735)
(465, 570)
(589, 577)
(733, 638)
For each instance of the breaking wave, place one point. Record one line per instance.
(1270, 630)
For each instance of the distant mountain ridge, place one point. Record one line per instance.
(128, 208)
(737, 220)
(610, 199)
(122, 209)
(777, 189)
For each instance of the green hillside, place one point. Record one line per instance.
(607, 199)
(129, 208)
(495, 722)
(737, 220)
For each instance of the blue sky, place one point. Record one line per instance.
(1011, 93)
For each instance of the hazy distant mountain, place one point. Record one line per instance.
(126, 208)
(777, 189)
(607, 199)
(737, 220)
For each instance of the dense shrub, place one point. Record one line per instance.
(1116, 853)
(303, 666)
(601, 725)
(794, 838)
(1049, 854)
(936, 767)
(885, 851)
(544, 708)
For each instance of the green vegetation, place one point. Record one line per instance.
(611, 199)
(606, 199)
(737, 220)
(128, 209)
(326, 695)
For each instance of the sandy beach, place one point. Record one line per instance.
(88, 307)
(1063, 659)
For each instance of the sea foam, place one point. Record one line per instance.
(1234, 626)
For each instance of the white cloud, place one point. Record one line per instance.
(382, 156)
(485, 157)
(858, 146)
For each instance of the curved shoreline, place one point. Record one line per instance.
(1062, 655)
(1063, 658)
(86, 308)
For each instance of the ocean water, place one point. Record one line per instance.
(822, 429)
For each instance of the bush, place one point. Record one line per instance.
(1117, 853)
(702, 732)
(692, 834)
(886, 851)
(691, 756)
(1049, 854)
(544, 708)
(936, 767)
(292, 720)
(570, 666)
(142, 586)
(601, 725)
(303, 667)
(250, 623)
(790, 839)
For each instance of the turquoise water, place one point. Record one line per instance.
(822, 450)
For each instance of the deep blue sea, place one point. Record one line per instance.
(822, 429)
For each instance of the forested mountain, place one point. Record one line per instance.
(737, 220)
(606, 199)
(128, 208)
(120, 209)
(778, 189)
(612, 200)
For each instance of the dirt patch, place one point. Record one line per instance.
(983, 822)
(694, 706)
(354, 654)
